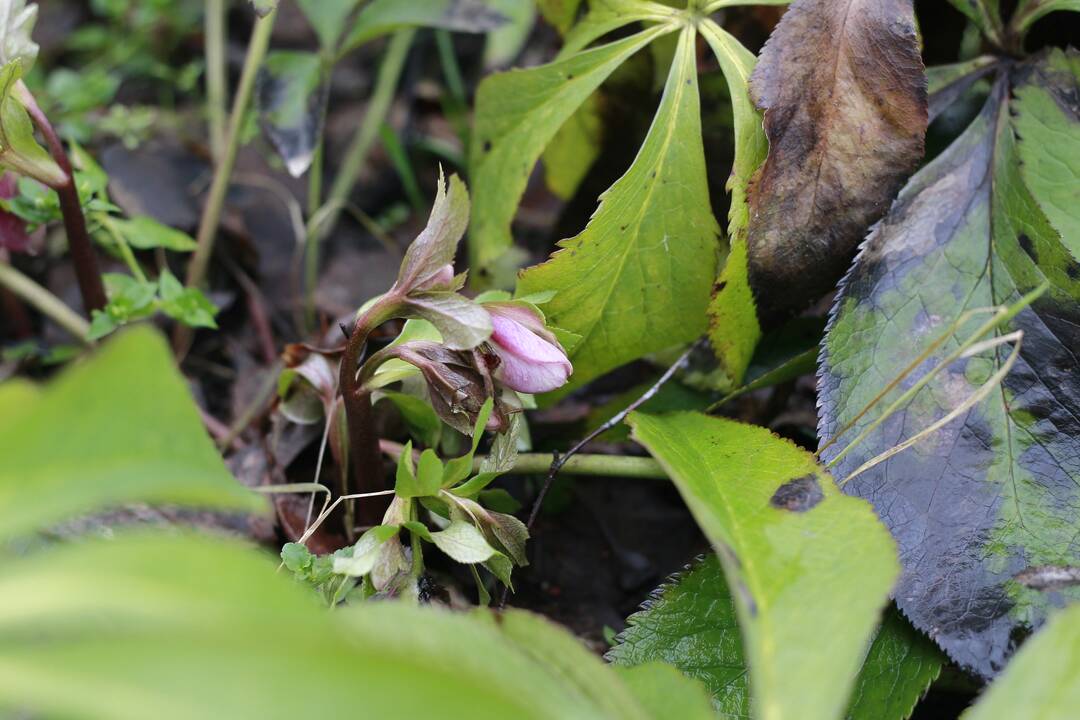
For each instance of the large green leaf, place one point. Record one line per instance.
(980, 506)
(1043, 681)
(690, 623)
(637, 279)
(810, 568)
(517, 114)
(178, 626)
(120, 427)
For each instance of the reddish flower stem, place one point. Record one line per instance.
(364, 453)
(83, 256)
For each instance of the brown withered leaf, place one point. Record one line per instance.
(843, 88)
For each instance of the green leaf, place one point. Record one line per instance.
(1031, 10)
(119, 428)
(779, 525)
(463, 542)
(146, 233)
(637, 279)
(292, 96)
(690, 623)
(188, 305)
(405, 484)
(565, 655)
(382, 17)
(457, 469)
(365, 554)
(734, 330)
(984, 13)
(16, 27)
(429, 473)
(994, 490)
(462, 324)
(666, 693)
(517, 114)
(435, 247)
(573, 149)
(327, 18)
(128, 628)
(1041, 681)
(424, 425)
(19, 151)
(560, 14)
(897, 672)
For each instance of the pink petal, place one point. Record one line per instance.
(528, 377)
(523, 342)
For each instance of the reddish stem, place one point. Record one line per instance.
(87, 271)
(364, 453)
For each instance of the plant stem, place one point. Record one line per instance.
(211, 217)
(625, 466)
(364, 454)
(87, 272)
(122, 246)
(393, 63)
(216, 80)
(44, 301)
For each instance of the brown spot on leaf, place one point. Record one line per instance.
(843, 88)
(798, 495)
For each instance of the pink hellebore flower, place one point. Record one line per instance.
(530, 358)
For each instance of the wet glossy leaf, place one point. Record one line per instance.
(810, 569)
(292, 97)
(517, 114)
(637, 279)
(983, 505)
(16, 26)
(382, 17)
(897, 672)
(844, 94)
(1043, 680)
(131, 434)
(690, 623)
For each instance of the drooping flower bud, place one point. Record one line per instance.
(530, 358)
(457, 384)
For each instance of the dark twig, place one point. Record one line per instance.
(562, 458)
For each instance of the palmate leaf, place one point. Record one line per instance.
(690, 623)
(810, 570)
(637, 279)
(517, 114)
(983, 506)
